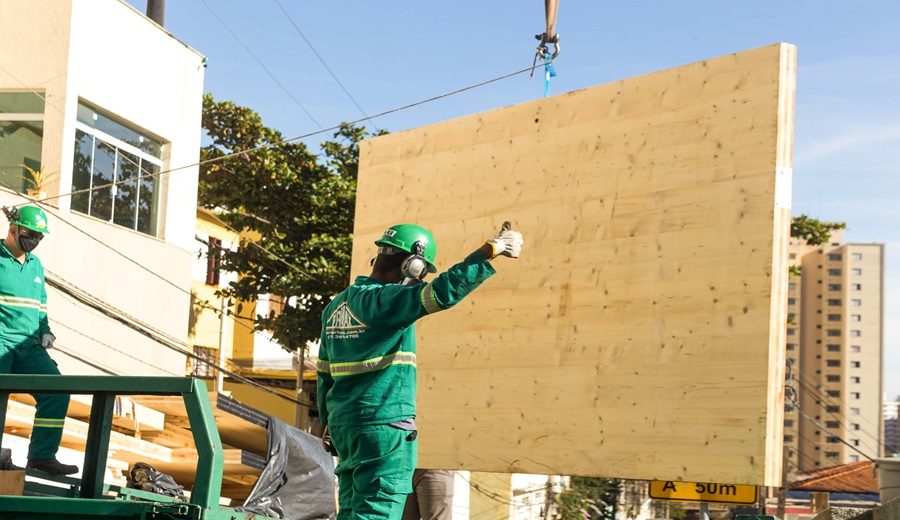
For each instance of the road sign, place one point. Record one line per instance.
(703, 492)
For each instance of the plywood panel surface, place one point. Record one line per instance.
(640, 335)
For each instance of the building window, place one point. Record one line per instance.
(834, 272)
(833, 347)
(856, 302)
(856, 271)
(855, 317)
(834, 302)
(834, 257)
(213, 261)
(854, 426)
(854, 458)
(831, 439)
(855, 364)
(833, 378)
(831, 454)
(203, 367)
(854, 395)
(832, 424)
(791, 346)
(833, 393)
(834, 333)
(788, 438)
(792, 286)
(792, 301)
(108, 152)
(834, 317)
(21, 137)
(856, 349)
(857, 256)
(854, 411)
(790, 332)
(855, 333)
(855, 380)
(856, 286)
(833, 409)
(833, 362)
(834, 287)
(788, 423)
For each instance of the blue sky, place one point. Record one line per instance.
(847, 148)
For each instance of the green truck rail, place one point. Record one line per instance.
(86, 497)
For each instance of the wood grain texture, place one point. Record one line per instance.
(641, 334)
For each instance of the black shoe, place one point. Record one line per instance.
(52, 467)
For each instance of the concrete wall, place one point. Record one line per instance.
(107, 53)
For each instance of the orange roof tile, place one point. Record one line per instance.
(857, 477)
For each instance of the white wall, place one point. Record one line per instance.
(109, 54)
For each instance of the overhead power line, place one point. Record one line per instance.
(153, 333)
(261, 64)
(321, 59)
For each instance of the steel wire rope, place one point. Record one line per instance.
(818, 387)
(795, 405)
(148, 175)
(154, 334)
(321, 59)
(261, 63)
(842, 419)
(62, 349)
(107, 345)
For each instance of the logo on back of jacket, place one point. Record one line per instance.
(343, 324)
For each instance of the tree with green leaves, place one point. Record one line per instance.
(588, 498)
(297, 207)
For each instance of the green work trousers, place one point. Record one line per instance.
(31, 358)
(374, 470)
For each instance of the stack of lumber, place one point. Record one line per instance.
(156, 430)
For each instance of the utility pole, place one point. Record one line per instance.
(301, 419)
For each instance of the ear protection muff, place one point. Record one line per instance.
(414, 266)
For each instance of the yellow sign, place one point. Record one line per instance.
(703, 492)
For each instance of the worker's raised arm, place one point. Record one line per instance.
(400, 305)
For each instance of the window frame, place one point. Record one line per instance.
(118, 144)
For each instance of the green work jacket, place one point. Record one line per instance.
(23, 299)
(367, 354)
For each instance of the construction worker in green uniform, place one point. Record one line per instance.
(367, 363)
(25, 333)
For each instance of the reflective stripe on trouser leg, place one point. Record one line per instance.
(48, 426)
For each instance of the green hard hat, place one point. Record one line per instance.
(404, 236)
(33, 218)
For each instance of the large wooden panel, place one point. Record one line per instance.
(641, 334)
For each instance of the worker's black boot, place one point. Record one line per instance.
(52, 466)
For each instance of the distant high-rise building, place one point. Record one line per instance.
(892, 427)
(834, 344)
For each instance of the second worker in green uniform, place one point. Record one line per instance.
(25, 333)
(367, 363)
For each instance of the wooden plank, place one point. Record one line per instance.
(128, 414)
(640, 336)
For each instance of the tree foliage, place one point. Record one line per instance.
(297, 207)
(815, 232)
(588, 498)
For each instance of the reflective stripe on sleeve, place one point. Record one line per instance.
(429, 301)
(323, 366)
(372, 365)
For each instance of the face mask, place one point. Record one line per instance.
(28, 243)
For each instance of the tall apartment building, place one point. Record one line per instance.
(892, 427)
(834, 343)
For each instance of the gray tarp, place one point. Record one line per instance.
(298, 480)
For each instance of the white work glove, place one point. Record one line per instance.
(506, 243)
(47, 340)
